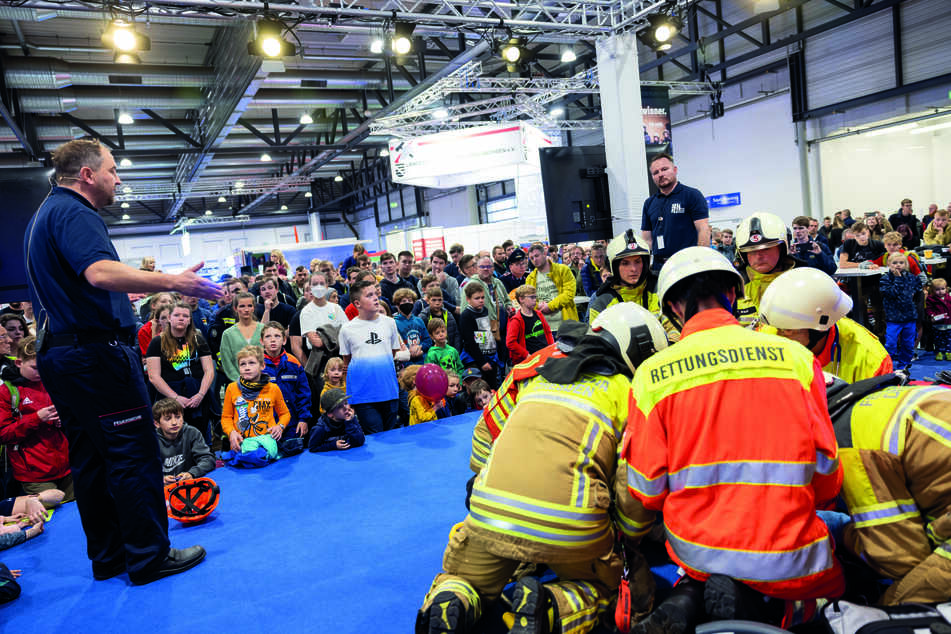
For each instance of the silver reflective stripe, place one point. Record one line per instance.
(592, 438)
(532, 533)
(921, 421)
(912, 401)
(826, 465)
(776, 473)
(646, 486)
(581, 516)
(881, 514)
(753, 565)
(577, 403)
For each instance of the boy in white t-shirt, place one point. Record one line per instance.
(368, 344)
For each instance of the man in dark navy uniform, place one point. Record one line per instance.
(94, 377)
(674, 218)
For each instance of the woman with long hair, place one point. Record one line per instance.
(245, 332)
(180, 367)
(152, 328)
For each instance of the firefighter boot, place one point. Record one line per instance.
(446, 613)
(533, 608)
(678, 613)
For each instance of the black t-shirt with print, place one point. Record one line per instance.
(858, 253)
(185, 362)
(534, 333)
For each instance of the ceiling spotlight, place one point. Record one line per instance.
(306, 119)
(376, 45)
(126, 190)
(270, 41)
(514, 53)
(661, 31)
(239, 185)
(265, 158)
(383, 152)
(124, 205)
(556, 112)
(402, 41)
(440, 113)
(208, 212)
(123, 38)
(221, 199)
(126, 58)
(283, 207)
(338, 178)
(125, 163)
(126, 216)
(308, 195)
(125, 119)
(568, 56)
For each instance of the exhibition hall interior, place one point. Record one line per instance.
(494, 166)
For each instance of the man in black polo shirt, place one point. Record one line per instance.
(675, 217)
(93, 376)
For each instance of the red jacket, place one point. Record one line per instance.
(939, 308)
(515, 336)
(729, 435)
(38, 451)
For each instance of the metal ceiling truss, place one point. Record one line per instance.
(214, 187)
(510, 99)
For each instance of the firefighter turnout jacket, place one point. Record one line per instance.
(895, 448)
(852, 353)
(729, 436)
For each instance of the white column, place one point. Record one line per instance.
(313, 220)
(620, 86)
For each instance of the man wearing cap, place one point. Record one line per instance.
(338, 427)
(674, 218)
(515, 277)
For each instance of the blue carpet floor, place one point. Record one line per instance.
(337, 542)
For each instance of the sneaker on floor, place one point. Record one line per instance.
(447, 613)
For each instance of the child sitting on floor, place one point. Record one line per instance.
(455, 398)
(25, 510)
(253, 406)
(287, 373)
(335, 377)
(182, 448)
(37, 449)
(338, 428)
(421, 409)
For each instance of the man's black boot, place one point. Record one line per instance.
(678, 613)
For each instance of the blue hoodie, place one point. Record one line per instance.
(289, 375)
(413, 330)
(327, 431)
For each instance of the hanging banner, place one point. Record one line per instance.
(655, 113)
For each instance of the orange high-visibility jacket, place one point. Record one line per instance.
(729, 435)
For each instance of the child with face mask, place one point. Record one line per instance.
(412, 330)
(320, 313)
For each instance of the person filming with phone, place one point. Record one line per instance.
(808, 250)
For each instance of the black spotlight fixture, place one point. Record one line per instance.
(270, 42)
(402, 40)
(125, 42)
(661, 31)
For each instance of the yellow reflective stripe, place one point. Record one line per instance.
(581, 481)
(932, 427)
(750, 565)
(856, 487)
(534, 509)
(631, 527)
(895, 433)
(462, 589)
(944, 550)
(538, 534)
(578, 404)
(566, 508)
(884, 513)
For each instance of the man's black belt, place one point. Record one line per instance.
(86, 337)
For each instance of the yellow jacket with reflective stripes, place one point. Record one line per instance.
(748, 305)
(545, 492)
(896, 452)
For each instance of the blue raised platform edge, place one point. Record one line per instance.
(344, 541)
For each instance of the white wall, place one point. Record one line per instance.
(864, 173)
(215, 248)
(751, 150)
(455, 208)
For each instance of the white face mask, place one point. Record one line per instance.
(320, 292)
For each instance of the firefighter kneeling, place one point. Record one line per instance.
(544, 495)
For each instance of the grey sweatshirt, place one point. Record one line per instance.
(188, 453)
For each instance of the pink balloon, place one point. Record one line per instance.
(432, 382)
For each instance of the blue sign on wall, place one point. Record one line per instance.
(723, 200)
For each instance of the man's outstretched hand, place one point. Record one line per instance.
(190, 283)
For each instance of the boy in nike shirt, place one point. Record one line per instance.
(368, 344)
